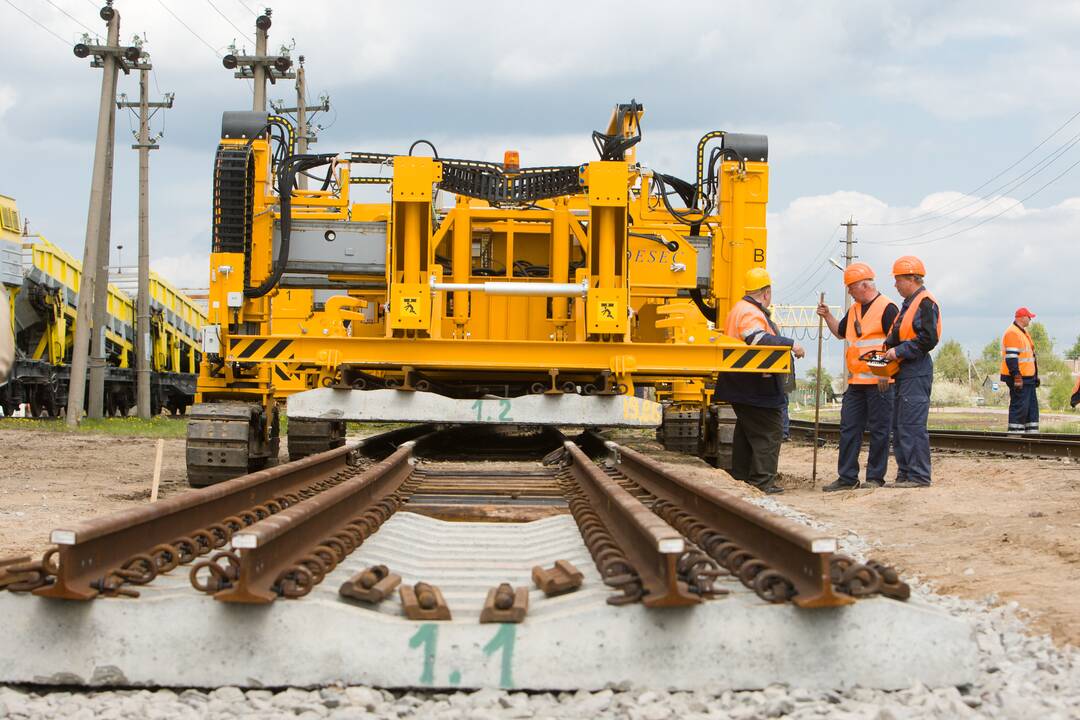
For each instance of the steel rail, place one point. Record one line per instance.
(273, 546)
(651, 545)
(799, 554)
(1038, 445)
(91, 550)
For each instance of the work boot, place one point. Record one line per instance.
(875, 483)
(902, 484)
(836, 485)
(772, 490)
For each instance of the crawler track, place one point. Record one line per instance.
(1035, 445)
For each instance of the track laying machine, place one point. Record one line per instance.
(43, 288)
(479, 292)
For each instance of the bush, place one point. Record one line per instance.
(946, 393)
(1059, 389)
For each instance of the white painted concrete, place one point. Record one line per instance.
(403, 406)
(173, 636)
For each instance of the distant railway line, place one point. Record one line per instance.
(1035, 445)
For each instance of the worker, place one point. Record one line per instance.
(1075, 399)
(757, 399)
(1020, 369)
(7, 337)
(868, 399)
(914, 333)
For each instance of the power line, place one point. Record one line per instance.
(813, 266)
(40, 25)
(225, 17)
(188, 27)
(940, 209)
(245, 6)
(986, 202)
(1030, 195)
(70, 16)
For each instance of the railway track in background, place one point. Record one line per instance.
(1034, 445)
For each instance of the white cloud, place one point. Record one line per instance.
(189, 270)
(1025, 257)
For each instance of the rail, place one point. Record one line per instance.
(1036, 445)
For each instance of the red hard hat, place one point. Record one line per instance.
(855, 272)
(908, 265)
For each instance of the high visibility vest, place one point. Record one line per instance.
(863, 334)
(1018, 344)
(907, 318)
(745, 319)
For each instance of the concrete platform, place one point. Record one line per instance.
(415, 406)
(175, 637)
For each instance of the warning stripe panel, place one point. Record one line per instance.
(755, 359)
(252, 349)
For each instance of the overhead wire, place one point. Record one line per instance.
(36, 22)
(72, 17)
(986, 202)
(938, 210)
(225, 17)
(997, 215)
(813, 266)
(188, 28)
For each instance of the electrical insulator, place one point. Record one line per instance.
(229, 61)
(81, 50)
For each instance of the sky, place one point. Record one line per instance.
(945, 130)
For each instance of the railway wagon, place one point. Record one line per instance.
(43, 281)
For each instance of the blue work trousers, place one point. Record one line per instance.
(864, 408)
(910, 436)
(1023, 409)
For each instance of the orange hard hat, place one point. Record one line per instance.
(908, 265)
(856, 272)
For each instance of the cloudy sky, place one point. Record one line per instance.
(946, 130)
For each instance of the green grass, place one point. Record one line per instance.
(159, 427)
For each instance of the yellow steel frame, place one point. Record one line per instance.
(629, 323)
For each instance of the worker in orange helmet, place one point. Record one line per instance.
(914, 333)
(868, 399)
(757, 399)
(1020, 369)
(1075, 399)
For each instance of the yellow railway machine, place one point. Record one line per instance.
(478, 292)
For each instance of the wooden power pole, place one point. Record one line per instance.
(110, 58)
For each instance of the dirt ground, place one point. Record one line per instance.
(989, 525)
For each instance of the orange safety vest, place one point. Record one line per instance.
(1018, 343)
(863, 334)
(907, 329)
(745, 319)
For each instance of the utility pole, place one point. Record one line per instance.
(110, 57)
(100, 317)
(304, 136)
(849, 256)
(142, 312)
(260, 67)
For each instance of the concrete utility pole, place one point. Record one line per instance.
(144, 145)
(304, 136)
(110, 57)
(849, 256)
(260, 67)
(97, 363)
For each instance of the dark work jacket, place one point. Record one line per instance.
(914, 354)
(757, 389)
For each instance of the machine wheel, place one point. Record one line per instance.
(719, 434)
(308, 437)
(228, 439)
(681, 430)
